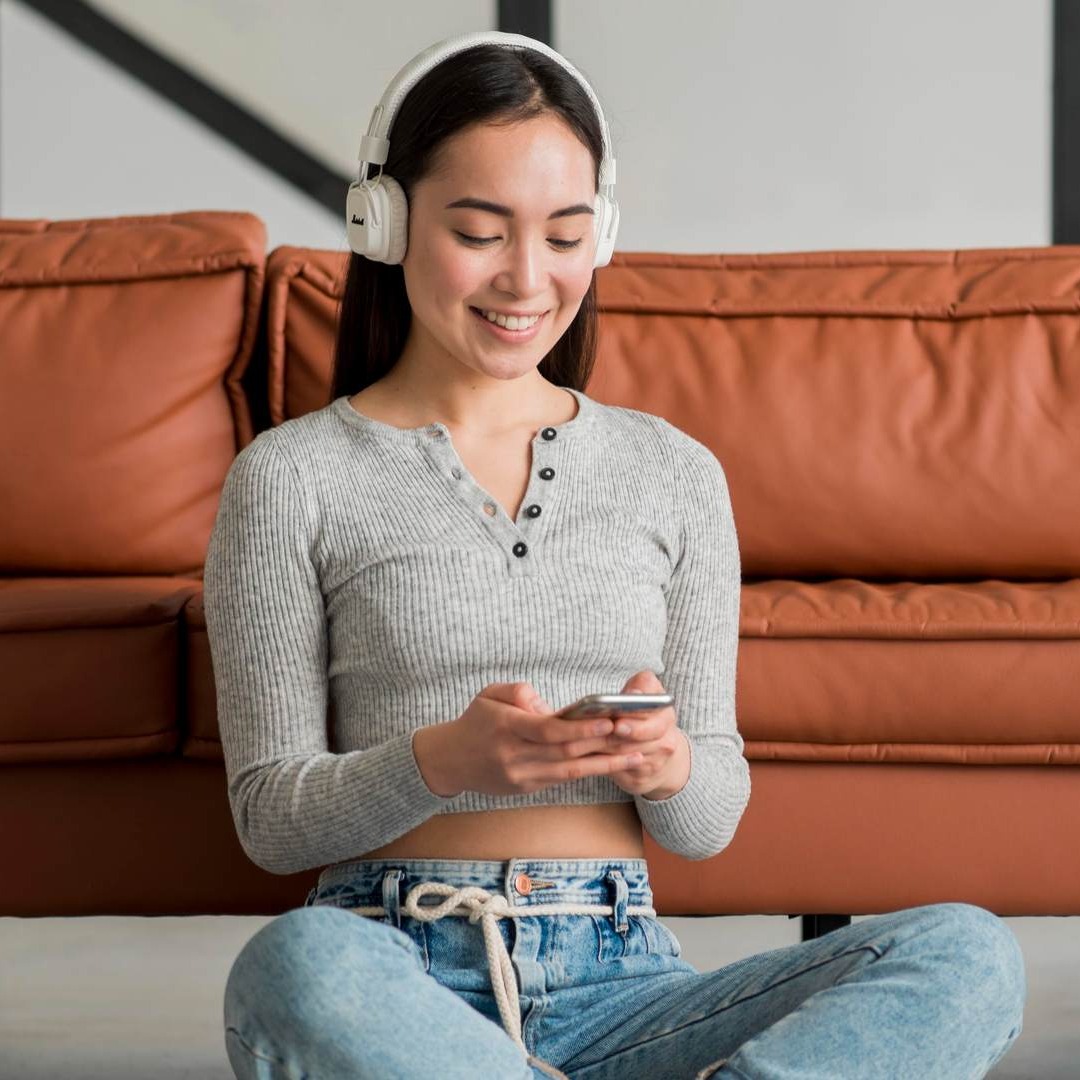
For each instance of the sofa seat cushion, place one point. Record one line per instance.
(201, 737)
(853, 671)
(90, 667)
(970, 673)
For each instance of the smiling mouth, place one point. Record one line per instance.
(506, 329)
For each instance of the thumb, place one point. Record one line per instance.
(643, 682)
(537, 703)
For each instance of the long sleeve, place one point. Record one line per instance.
(700, 651)
(295, 804)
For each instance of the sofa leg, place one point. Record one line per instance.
(815, 925)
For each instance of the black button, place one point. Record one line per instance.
(549, 433)
(533, 511)
(520, 549)
(547, 472)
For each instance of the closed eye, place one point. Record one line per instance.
(480, 241)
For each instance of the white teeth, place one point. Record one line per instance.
(511, 322)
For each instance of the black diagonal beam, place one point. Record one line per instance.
(187, 91)
(1065, 228)
(220, 113)
(311, 176)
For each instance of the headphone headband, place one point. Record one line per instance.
(377, 211)
(375, 145)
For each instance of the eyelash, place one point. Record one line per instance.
(481, 241)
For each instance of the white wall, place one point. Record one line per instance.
(739, 126)
(78, 138)
(772, 125)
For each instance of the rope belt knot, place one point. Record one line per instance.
(479, 905)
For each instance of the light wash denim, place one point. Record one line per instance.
(935, 992)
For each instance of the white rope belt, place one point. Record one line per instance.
(479, 904)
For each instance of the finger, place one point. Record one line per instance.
(607, 745)
(563, 751)
(576, 768)
(551, 728)
(639, 729)
(615, 745)
(512, 693)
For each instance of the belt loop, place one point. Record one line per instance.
(391, 895)
(622, 894)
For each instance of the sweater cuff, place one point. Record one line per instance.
(699, 819)
(410, 788)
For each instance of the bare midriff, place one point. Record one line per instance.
(591, 831)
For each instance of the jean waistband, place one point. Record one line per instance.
(522, 881)
(375, 887)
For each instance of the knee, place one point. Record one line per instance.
(985, 954)
(286, 961)
(277, 953)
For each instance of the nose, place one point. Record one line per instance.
(525, 270)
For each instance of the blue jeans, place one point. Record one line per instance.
(928, 993)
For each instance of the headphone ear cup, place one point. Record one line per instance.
(378, 219)
(606, 219)
(358, 218)
(396, 216)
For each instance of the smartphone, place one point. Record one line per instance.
(614, 704)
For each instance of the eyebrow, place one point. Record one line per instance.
(505, 211)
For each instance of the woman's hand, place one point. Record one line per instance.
(665, 767)
(509, 742)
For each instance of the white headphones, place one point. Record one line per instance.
(376, 211)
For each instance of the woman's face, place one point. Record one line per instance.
(523, 260)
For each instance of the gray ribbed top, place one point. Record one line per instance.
(358, 586)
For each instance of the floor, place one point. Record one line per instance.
(111, 998)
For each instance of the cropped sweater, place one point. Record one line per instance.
(360, 584)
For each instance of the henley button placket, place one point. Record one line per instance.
(535, 509)
(521, 549)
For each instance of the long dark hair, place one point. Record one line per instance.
(483, 83)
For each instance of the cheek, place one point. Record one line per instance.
(573, 287)
(438, 280)
(456, 277)
(583, 279)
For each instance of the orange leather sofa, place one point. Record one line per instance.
(900, 431)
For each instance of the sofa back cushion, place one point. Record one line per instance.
(124, 340)
(879, 414)
(892, 414)
(303, 292)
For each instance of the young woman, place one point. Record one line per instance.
(459, 544)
